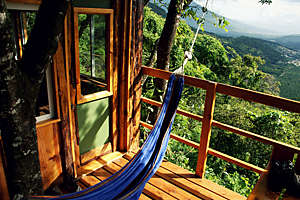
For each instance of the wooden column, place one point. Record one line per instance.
(206, 129)
(4, 195)
(136, 74)
(124, 71)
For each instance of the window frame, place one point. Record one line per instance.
(108, 58)
(50, 95)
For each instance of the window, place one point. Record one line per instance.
(93, 51)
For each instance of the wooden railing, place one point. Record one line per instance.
(207, 119)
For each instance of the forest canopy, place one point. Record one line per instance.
(216, 62)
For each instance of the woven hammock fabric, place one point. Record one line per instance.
(129, 182)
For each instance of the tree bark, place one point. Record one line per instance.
(19, 87)
(175, 9)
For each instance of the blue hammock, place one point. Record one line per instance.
(129, 182)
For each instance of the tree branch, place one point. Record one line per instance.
(43, 40)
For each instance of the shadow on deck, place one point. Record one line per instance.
(169, 182)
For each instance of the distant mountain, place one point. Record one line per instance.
(235, 28)
(281, 53)
(290, 41)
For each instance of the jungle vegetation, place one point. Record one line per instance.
(214, 61)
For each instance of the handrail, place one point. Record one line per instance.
(211, 89)
(226, 127)
(246, 94)
(213, 152)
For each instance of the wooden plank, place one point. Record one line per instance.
(254, 136)
(213, 152)
(188, 80)
(206, 129)
(90, 167)
(114, 73)
(204, 183)
(109, 158)
(89, 180)
(93, 11)
(179, 111)
(96, 152)
(4, 195)
(236, 161)
(97, 164)
(246, 94)
(259, 97)
(102, 174)
(76, 52)
(49, 153)
(124, 80)
(47, 122)
(163, 185)
(136, 73)
(94, 96)
(175, 137)
(149, 189)
(62, 68)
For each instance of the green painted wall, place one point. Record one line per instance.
(93, 124)
(92, 3)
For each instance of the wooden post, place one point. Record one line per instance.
(4, 195)
(124, 75)
(206, 128)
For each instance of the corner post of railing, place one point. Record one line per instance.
(206, 128)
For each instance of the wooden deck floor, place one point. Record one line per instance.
(169, 182)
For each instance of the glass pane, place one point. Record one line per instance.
(45, 105)
(42, 105)
(92, 58)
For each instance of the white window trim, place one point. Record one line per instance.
(50, 97)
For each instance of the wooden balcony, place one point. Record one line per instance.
(169, 182)
(281, 151)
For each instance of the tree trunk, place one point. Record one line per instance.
(19, 88)
(175, 9)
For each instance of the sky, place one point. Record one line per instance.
(281, 16)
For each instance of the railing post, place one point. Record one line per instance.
(206, 128)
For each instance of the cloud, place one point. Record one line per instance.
(281, 16)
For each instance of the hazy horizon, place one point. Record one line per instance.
(280, 17)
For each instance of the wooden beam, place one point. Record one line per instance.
(206, 129)
(227, 127)
(254, 136)
(246, 94)
(259, 97)
(179, 111)
(4, 195)
(188, 80)
(236, 161)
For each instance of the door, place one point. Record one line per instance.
(93, 42)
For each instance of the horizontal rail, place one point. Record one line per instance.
(236, 161)
(179, 111)
(254, 136)
(249, 95)
(259, 97)
(226, 127)
(213, 152)
(175, 137)
(188, 80)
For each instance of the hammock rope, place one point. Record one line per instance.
(188, 55)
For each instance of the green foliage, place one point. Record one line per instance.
(230, 64)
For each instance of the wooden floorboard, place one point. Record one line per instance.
(169, 182)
